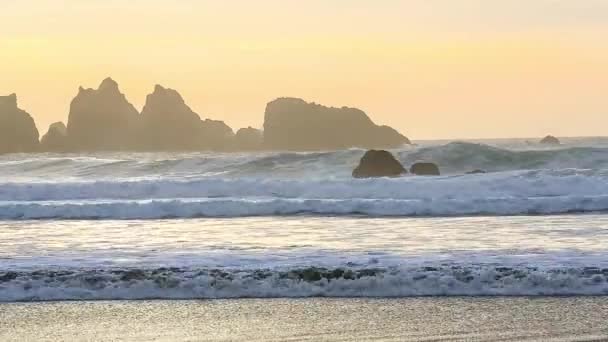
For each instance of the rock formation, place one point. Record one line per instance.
(216, 135)
(168, 124)
(101, 119)
(248, 139)
(550, 140)
(293, 124)
(18, 132)
(425, 169)
(378, 163)
(56, 139)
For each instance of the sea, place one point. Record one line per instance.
(135, 227)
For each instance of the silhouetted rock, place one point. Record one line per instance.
(550, 140)
(56, 139)
(168, 124)
(476, 172)
(101, 119)
(425, 169)
(18, 132)
(378, 163)
(216, 135)
(293, 124)
(249, 139)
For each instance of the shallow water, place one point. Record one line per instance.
(412, 319)
(283, 224)
(303, 256)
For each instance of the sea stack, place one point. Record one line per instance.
(101, 119)
(169, 124)
(550, 140)
(56, 139)
(294, 124)
(18, 132)
(248, 139)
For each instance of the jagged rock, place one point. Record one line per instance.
(248, 139)
(425, 169)
(168, 124)
(56, 139)
(378, 163)
(550, 140)
(101, 119)
(18, 132)
(293, 124)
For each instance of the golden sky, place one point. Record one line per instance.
(430, 68)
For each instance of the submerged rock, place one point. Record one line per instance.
(476, 171)
(293, 124)
(425, 169)
(18, 132)
(378, 163)
(56, 139)
(550, 140)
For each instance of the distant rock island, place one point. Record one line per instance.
(103, 119)
(18, 131)
(550, 140)
(294, 124)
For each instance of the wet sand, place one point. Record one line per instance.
(407, 319)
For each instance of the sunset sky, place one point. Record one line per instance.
(430, 68)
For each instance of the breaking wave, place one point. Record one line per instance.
(180, 283)
(452, 158)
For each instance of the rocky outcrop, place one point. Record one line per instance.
(378, 163)
(168, 124)
(56, 139)
(18, 132)
(550, 140)
(425, 169)
(248, 139)
(293, 124)
(216, 135)
(101, 119)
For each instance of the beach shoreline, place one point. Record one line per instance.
(304, 319)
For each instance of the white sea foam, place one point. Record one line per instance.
(455, 280)
(239, 207)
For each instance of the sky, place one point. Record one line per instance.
(430, 68)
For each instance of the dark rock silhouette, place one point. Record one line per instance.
(56, 139)
(18, 132)
(378, 163)
(476, 171)
(550, 140)
(101, 119)
(216, 135)
(168, 124)
(293, 124)
(248, 139)
(425, 169)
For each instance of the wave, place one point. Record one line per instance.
(464, 156)
(452, 158)
(180, 283)
(239, 207)
(522, 184)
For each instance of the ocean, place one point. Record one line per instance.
(282, 224)
(192, 226)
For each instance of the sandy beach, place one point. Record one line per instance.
(411, 319)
